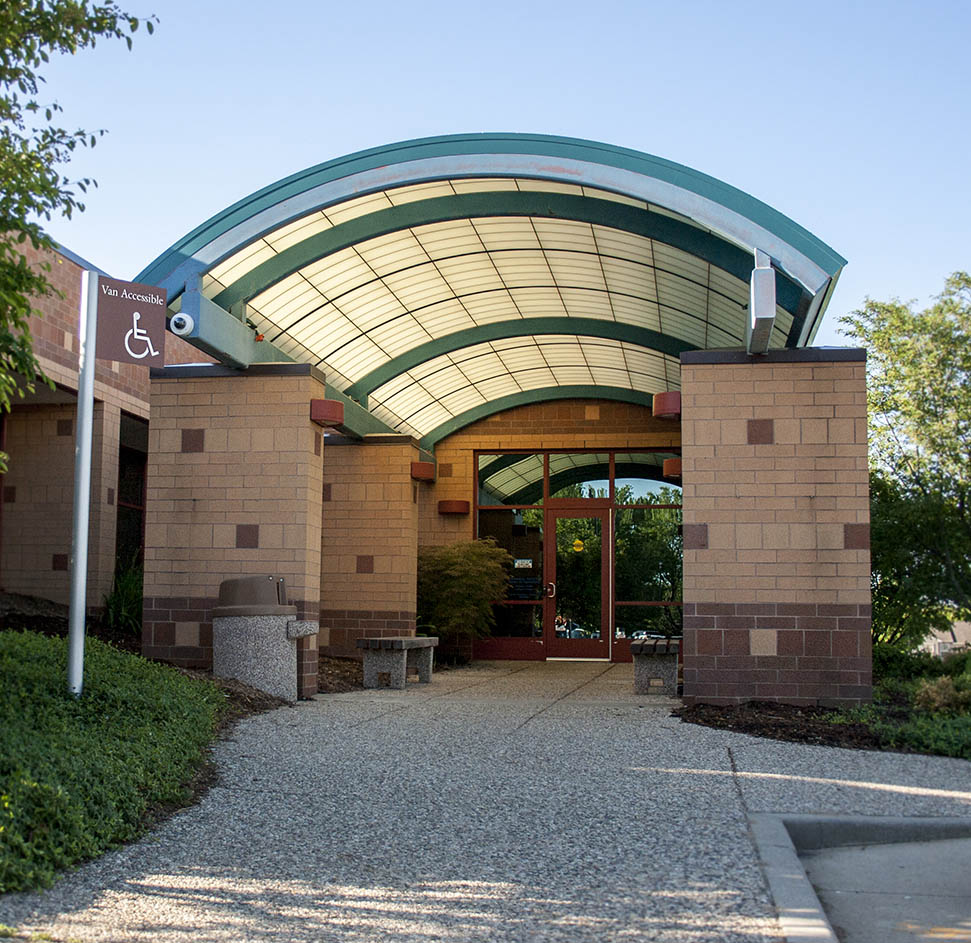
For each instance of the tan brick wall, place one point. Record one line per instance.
(37, 502)
(38, 508)
(369, 542)
(565, 424)
(36, 524)
(235, 476)
(776, 514)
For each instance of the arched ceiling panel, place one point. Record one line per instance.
(455, 381)
(372, 302)
(432, 278)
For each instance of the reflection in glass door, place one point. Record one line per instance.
(577, 587)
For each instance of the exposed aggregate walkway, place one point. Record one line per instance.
(505, 802)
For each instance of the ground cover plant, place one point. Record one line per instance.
(79, 775)
(921, 704)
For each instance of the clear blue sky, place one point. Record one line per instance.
(850, 117)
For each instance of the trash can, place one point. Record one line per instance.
(254, 635)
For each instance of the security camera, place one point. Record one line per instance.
(181, 325)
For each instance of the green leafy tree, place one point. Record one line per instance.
(33, 149)
(919, 399)
(907, 580)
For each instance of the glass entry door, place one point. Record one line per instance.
(577, 606)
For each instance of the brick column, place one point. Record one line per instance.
(234, 489)
(776, 527)
(369, 546)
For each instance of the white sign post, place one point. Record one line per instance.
(132, 331)
(87, 335)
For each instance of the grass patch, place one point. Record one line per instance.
(80, 775)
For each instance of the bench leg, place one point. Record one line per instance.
(422, 658)
(392, 662)
(656, 674)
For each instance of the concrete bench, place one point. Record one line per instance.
(656, 665)
(395, 656)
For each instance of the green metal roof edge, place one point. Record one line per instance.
(539, 395)
(713, 249)
(500, 330)
(465, 145)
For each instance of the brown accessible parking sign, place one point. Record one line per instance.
(131, 322)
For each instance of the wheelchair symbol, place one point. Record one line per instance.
(139, 334)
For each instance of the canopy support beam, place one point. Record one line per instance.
(212, 329)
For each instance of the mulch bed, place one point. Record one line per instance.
(336, 675)
(782, 722)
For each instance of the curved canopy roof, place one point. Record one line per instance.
(436, 281)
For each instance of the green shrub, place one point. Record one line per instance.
(940, 734)
(895, 692)
(941, 695)
(890, 661)
(78, 775)
(957, 664)
(457, 586)
(123, 605)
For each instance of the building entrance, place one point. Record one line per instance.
(596, 543)
(577, 613)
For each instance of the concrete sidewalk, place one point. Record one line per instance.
(505, 802)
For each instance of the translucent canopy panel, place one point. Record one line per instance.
(365, 306)
(432, 279)
(232, 269)
(444, 387)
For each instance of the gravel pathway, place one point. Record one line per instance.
(505, 802)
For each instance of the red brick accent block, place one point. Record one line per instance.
(666, 405)
(761, 432)
(65, 427)
(59, 561)
(822, 653)
(308, 660)
(695, 536)
(453, 507)
(423, 471)
(111, 496)
(365, 563)
(327, 412)
(445, 470)
(671, 468)
(159, 617)
(193, 440)
(318, 444)
(856, 536)
(247, 536)
(326, 493)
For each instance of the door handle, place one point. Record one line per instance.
(550, 590)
